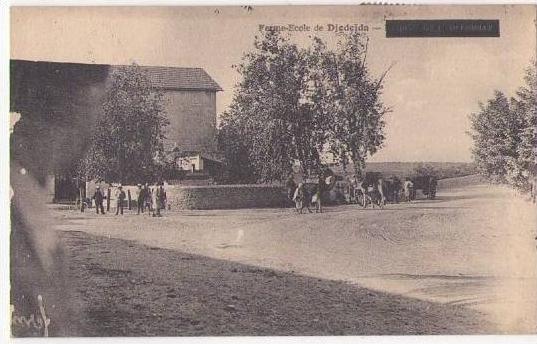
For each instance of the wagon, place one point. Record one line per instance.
(427, 184)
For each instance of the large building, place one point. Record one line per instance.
(190, 96)
(60, 103)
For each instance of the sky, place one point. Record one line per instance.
(434, 84)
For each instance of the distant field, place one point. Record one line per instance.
(460, 182)
(405, 169)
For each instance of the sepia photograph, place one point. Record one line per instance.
(337, 170)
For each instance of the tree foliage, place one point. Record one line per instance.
(268, 121)
(127, 144)
(525, 104)
(504, 134)
(298, 104)
(238, 168)
(349, 100)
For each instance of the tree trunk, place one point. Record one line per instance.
(358, 168)
(108, 194)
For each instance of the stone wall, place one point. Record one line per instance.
(226, 196)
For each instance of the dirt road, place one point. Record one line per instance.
(473, 247)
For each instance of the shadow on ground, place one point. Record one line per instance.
(127, 289)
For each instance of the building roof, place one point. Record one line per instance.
(180, 78)
(163, 77)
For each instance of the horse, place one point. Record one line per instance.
(373, 189)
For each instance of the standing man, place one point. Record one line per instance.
(381, 186)
(160, 196)
(120, 197)
(409, 189)
(317, 196)
(140, 198)
(352, 190)
(154, 200)
(147, 200)
(163, 196)
(98, 197)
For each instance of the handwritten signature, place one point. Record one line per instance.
(31, 322)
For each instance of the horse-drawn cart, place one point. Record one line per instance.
(427, 184)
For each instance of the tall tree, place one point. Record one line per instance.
(238, 168)
(127, 145)
(296, 104)
(349, 99)
(496, 131)
(269, 110)
(505, 135)
(525, 105)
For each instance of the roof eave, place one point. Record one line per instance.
(189, 89)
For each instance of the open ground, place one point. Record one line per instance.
(462, 263)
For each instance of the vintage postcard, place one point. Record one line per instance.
(273, 170)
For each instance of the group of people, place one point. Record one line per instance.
(151, 199)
